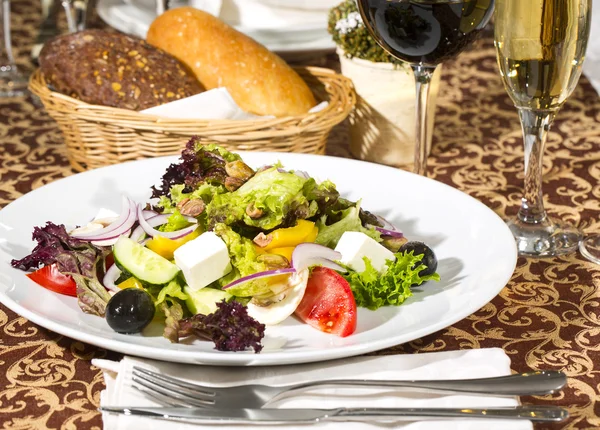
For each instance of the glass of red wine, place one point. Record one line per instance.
(424, 33)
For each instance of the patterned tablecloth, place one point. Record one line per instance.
(547, 317)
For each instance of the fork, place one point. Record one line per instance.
(175, 392)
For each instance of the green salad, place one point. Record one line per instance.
(224, 250)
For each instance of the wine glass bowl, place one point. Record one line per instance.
(540, 46)
(424, 33)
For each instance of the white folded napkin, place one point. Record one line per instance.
(212, 104)
(443, 365)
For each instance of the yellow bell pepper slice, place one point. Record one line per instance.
(165, 247)
(285, 251)
(131, 283)
(313, 235)
(291, 236)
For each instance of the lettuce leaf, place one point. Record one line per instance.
(55, 245)
(199, 163)
(272, 191)
(349, 220)
(80, 259)
(373, 290)
(168, 302)
(323, 195)
(229, 327)
(244, 261)
(204, 191)
(173, 313)
(175, 222)
(172, 290)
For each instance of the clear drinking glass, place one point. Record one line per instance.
(590, 248)
(424, 33)
(12, 82)
(540, 48)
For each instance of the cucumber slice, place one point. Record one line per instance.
(204, 301)
(143, 263)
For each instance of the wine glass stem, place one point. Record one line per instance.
(535, 124)
(423, 75)
(9, 61)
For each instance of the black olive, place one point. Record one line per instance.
(429, 259)
(129, 311)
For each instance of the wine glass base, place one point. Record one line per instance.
(590, 248)
(12, 82)
(547, 239)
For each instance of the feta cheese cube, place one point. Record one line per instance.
(354, 246)
(203, 260)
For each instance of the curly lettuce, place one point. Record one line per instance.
(346, 220)
(373, 290)
(199, 163)
(79, 259)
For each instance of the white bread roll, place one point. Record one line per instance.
(220, 56)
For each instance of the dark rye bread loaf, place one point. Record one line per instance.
(112, 69)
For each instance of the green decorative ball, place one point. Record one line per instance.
(350, 34)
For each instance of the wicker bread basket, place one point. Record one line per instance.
(100, 135)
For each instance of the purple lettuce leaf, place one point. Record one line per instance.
(229, 327)
(79, 259)
(198, 163)
(54, 245)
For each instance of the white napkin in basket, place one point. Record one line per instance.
(443, 365)
(212, 104)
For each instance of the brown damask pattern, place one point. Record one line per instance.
(547, 317)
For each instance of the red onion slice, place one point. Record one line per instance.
(138, 234)
(149, 214)
(125, 212)
(306, 255)
(151, 231)
(260, 275)
(392, 233)
(157, 220)
(302, 174)
(386, 225)
(119, 227)
(110, 241)
(111, 276)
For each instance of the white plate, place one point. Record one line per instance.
(475, 249)
(130, 19)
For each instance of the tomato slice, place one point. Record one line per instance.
(50, 278)
(328, 303)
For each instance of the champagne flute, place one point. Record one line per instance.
(424, 33)
(12, 82)
(540, 47)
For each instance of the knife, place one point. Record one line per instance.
(311, 416)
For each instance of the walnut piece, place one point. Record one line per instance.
(254, 212)
(191, 207)
(262, 239)
(232, 184)
(239, 170)
(274, 261)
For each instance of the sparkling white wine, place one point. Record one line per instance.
(541, 46)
